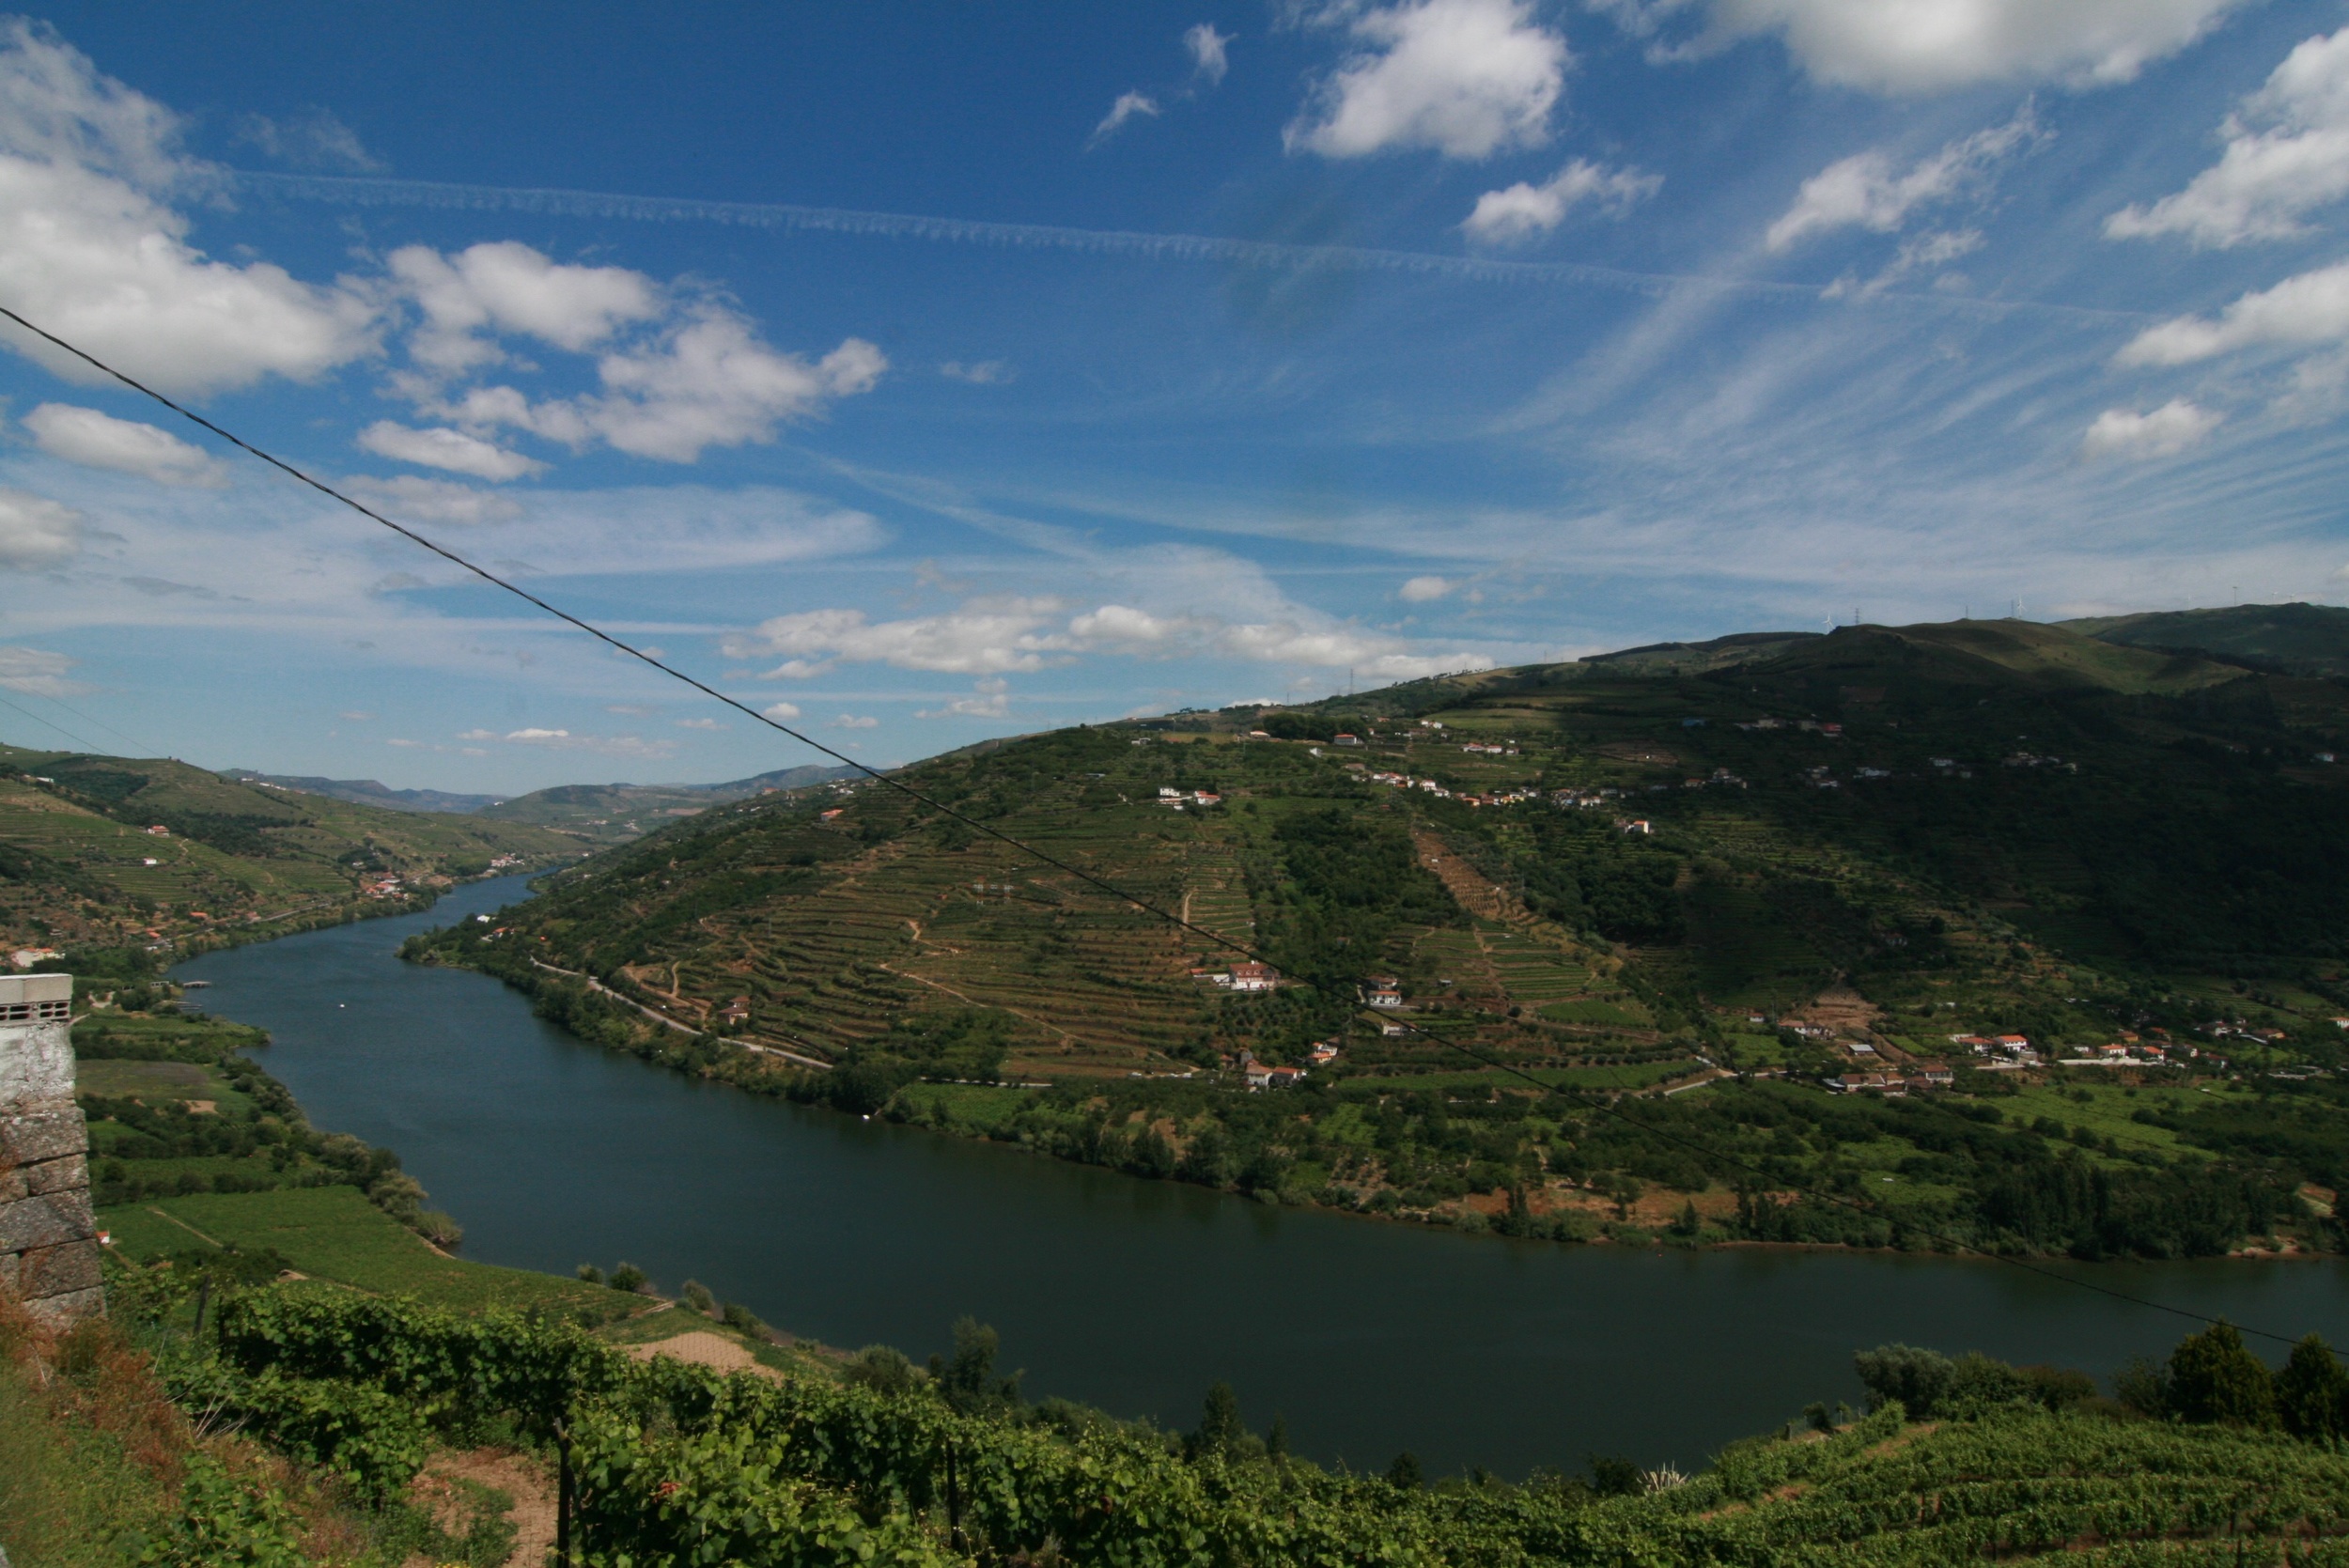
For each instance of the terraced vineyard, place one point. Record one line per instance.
(1674, 874)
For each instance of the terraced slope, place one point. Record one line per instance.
(1816, 857)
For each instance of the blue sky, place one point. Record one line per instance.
(928, 373)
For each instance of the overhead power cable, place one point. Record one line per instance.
(52, 724)
(1594, 1103)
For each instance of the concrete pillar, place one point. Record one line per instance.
(48, 1235)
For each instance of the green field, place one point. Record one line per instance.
(333, 1234)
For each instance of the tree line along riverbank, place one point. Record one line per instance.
(2174, 1165)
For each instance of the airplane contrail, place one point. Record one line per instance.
(350, 191)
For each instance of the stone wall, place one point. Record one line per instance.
(48, 1236)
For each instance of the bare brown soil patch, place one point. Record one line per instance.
(704, 1348)
(518, 1475)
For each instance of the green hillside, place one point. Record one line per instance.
(620, 813)
(590, 814)
(1711, 884)
(2290, 638)
(81, 861)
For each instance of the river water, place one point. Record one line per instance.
(1371, 1338)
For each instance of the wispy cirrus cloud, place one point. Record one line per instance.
(1874, 190)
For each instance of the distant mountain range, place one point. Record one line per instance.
(606, 814)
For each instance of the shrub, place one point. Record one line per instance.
(226, 1523)
(629, 1277)
(743, 1321)
(884, 1369)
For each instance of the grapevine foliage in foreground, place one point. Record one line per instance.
(678, 1466)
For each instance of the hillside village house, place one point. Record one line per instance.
(1250, 976)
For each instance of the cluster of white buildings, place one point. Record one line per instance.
(1200, 799)
(2006, 1052)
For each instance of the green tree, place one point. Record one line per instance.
(1404, 1472)
(2214, 1377)
(1220, 1428)
(1153, 1155)
(967, 1381)
(1276, 1442)
(2312, 1393)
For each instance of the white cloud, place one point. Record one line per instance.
(357, 716)
(2268, 178)
(1209, 50)
(1468, 78)
(1523, 210)
(453, 450)
(984, 638)
(699, 725)
(1420, 590)
(850, 722)
(2164, 432)
(2306, 311)
(509, 288)
(1129, 104)
(37, 672)
(680, 371)
(1867, 190)
(708, 382)
(309, 138)
(97, 440)
(783, 711)
(628, 747)
(990, 372)
(988, 699)
(1926, 46)
(414, 499)
(93, 253)
(36, 531)
(991, 637)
